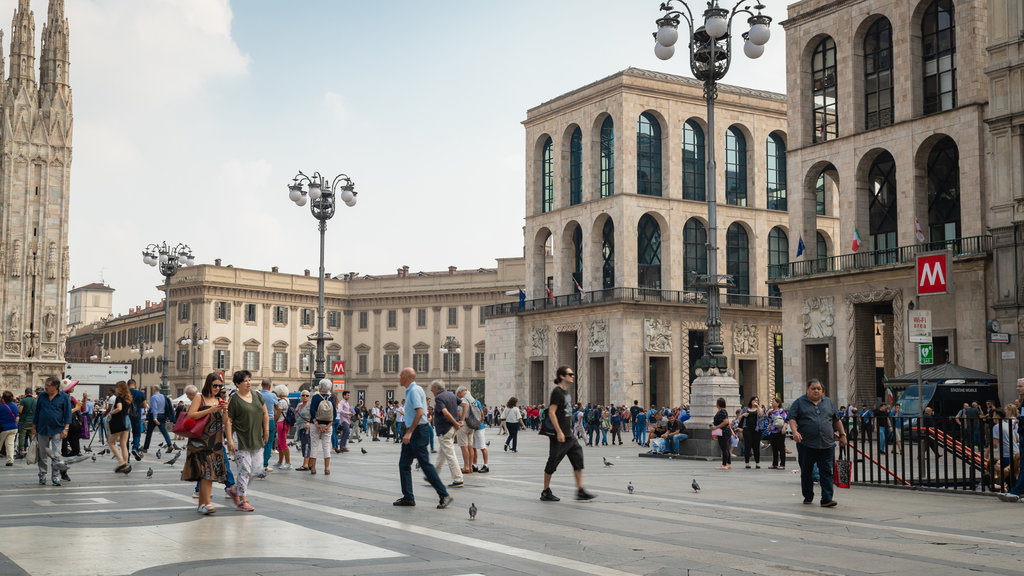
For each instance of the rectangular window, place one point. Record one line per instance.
(480, 313)
(478, 361)
(280, 314)
(308, 317)
(252, 360)
(250, 313)
(451, 362)
(334, 319)
(364, 320)
(184, 310)
(306, 362)
(392, 318)
(331, 359)
(222, 310)
(280, 361)
(362, 364)
(222, 359)
(183, 359)
(421, 361)
(453, 316)
(421, 318)
(390, 363)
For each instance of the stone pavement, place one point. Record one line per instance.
(742, 522)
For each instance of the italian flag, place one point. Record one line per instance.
(856, 240)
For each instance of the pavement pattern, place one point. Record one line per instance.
(741, 522)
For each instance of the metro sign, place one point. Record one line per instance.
(933, 273)
(338, 368)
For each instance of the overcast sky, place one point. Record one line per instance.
(192, 116)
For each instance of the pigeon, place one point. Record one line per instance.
(158, 454)
(472, 511)
(488, 442)
(629, 488)
(173, 460)
(262, 476)
(104, 451)
(363, 450)
(695, 486)
(93, 457)
(606, 462)
(149, 473)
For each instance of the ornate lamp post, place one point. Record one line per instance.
(321, 192)
(141, 347)
(195, 338)
(169, 260)
(449, 348)
(99, 356)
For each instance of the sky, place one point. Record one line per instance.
(191, 117)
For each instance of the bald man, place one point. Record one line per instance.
(414, 443)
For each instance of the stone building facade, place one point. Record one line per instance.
(35, 168)
(888, 103)
(616, 218)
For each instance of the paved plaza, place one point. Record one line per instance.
(742, 522)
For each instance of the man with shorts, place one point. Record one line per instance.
(562, 445)
(470, 438)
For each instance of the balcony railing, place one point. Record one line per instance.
(961, 247)
(624, 295)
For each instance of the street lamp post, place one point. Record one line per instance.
(321, 192)
(449, 348)
(710, 56)
(141, 347)
(194, 337)
(169, 260)
(99, 356)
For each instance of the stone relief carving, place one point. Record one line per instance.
(31, 344)
(539, 341)
(744, 338)
(14, 316)
(12, 348)
(16, 259)
(49, 350)
(819, 317)
(597, 336)
(657, 335)
(51, 261)
(65, 263)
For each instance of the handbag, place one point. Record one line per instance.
(716, 433)
(189, 427)
(33, 452)
(546, 427)
(842, 472)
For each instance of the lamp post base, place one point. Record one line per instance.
(705, 392)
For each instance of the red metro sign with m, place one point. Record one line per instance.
(933, 274)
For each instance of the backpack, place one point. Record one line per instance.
(325, 410)
(473, 416)
(289, 416)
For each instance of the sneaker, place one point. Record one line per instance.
(206, 510)
(55, 481)
(286, 466)
(138, 457)
(484, 469)
(548, 496)
(64, 476)
(1008, 497)
(403, 501)
(808, 500)
(268, 470)
(244, 507)
(582, 494)
(456, 484)
(445, 501)
(829, 504)
(42, 481)
(475, 469)
(195, 494)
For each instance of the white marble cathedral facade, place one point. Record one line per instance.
(35, 168)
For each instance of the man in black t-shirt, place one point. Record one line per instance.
(882, 427)
(563, 443)
(633, 411)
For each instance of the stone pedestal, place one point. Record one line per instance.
(704, 392)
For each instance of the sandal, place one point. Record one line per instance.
(327, 472)
(301, 469)
(312, 471)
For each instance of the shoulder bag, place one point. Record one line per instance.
(188, 427)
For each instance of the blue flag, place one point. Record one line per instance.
(522, 298)
(800, 247)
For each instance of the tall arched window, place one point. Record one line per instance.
(608, 255)
(735, 167)
(648, 155)
(944, 191)
(607, 157)
(938, 45)
(778, 258)
(878, 74)
(821, 262)
(883, 207)
(737, 261)
(776, 172)
(695, 252)
(648, 252)
(693, 162)
(823, 88)
(819, 195)
(576, 167)
(577, 256)
(547, 178)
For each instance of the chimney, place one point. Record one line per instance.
(400, 275)
(275, 269)
(148, 304)
(216, 262)
(452, 270)
(405, 270)
(307, 272)
(327, 275)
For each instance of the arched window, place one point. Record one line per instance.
(648, 156)
(823, 88)
(735, 167)
(577, 256)
(695, 252)
(576, 167)
(944, 191)
(938, 42)
(648, 252)
(547, 178)
(778, 258)
(693, 162)
(883, 208)
(776, 173)
(819, 195)
(608, 255)
(737, 261)
(607, 157)
(821, 262)
(878, 74)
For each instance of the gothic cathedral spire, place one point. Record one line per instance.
(55, 57)
(23, 46)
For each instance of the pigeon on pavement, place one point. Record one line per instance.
(472, 511)
(149, 473)
(606, 462)
(488, 442)
(363, 450)
(158, 454)
(173, 460)
(93, 457)
(695, 486)
(629, 488)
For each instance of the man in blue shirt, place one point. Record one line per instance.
(49, 426)
(414, 443)
(157, 418)
(269, 402)
(814, 422)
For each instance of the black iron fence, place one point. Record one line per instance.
(973, 455)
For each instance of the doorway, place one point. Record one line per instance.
(658, 382)
(747, 378)
(818, 359)
(596, 382)
(696, 339)
(537, 387)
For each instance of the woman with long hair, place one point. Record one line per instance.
(722, 425)
(511, 419)
(777, 438)
(204, 461)
(117, 417)
(750, 420)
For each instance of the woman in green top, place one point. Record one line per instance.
(248, 421)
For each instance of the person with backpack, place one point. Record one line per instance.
(321, 407)
(470, 435)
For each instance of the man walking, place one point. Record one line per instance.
(446, 406)
(813, 420)
(26, 414)
(1014, 495)
(50, 425)
(159, 406)
(344, 419)
(414, 443)
(269, 402)
(561, 445)
(136, 412)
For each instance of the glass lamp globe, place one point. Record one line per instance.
(294, 192)
(759, 34)
(663, 52)
(347, 195)
(301, 201)
(716, 26)
(314, 191)
(351, 202)
(753, 51)
(667, 35)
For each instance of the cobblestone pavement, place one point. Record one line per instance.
(742, 522)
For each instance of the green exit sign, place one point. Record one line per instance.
(926, 353)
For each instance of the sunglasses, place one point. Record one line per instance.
(569, 374)
(216, 385)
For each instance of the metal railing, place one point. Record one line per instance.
(969, 455)
(961, 247)
(620, 295)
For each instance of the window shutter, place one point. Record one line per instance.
(227, 360)
(227, 311)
